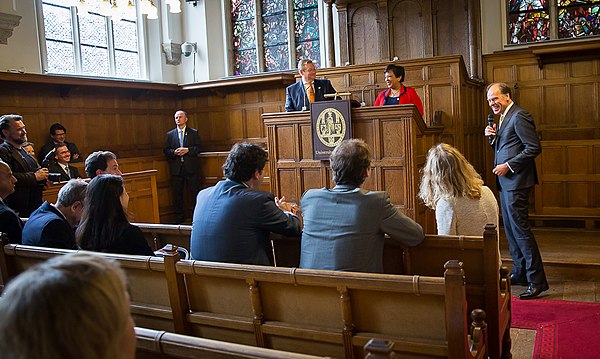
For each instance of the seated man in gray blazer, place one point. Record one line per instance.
(344, 227)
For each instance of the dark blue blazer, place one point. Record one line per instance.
(46, 227)
(191, 140)
(296, 97)
(232, 224)
(10, 223)
(517, 143)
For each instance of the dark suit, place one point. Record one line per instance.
(56, 168)
(28, 191)
(296, 96)
(232, 224)
(49, 146)
(344, 229)
(517, 144)
(10, 223)
(183, 168)
(47, 227)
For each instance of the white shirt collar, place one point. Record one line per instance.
(507, 109)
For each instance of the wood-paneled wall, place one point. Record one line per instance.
(563, 95)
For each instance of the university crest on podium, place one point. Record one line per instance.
(330, 126)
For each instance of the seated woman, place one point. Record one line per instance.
(397, 93)
(71, 306)
(104, 226)
(451, 186)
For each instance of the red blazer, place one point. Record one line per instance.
(410, 96)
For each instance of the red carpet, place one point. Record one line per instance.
(565, 330)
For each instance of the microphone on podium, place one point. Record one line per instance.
(362, 95)
(490, 122)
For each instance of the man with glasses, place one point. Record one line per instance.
(58, 134)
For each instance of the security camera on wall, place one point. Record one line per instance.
(188, 48)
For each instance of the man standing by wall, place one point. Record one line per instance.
(30, 179)
(183, 146)
(299, 95)
(516, 144)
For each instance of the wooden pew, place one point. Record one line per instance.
(149, 292)
(153, 344)
(330, 312)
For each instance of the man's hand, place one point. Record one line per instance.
(41, 174)
(288, 207)
(490, 131)
(501, 170)
(181, 151)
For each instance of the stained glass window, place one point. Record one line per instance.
(276, 25)
(578, 18)
(101, 47)
(528, 21)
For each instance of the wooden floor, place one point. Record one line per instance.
(572, 263)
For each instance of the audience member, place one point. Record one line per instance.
(396, 92)
(53, 225)
(344, 227)
(102, 162)
(309, 89)
(451, 186)
(233, 219)
(31, 180)
(60, 164)
(183, 146)
(30, 148)
(58, 133)
(10, 223)
(104, 225)
(69, 307)
(516, 145)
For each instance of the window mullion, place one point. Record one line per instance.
(260, 51)
(291, 35)
(553, 11)
(112, 67)
(76, 40)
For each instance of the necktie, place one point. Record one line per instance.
(500, 122)
(311, 93)
(68, 172)
(180, 138)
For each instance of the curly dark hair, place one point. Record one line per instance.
(349, 162)
(244, 158)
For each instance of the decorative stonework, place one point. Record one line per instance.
(7, 23)
(172, 52)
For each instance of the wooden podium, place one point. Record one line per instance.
(399, 141)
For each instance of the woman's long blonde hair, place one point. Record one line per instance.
(447, 174)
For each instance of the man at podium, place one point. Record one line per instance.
(299, 95)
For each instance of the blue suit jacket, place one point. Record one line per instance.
(232, 224)
(344, 229)
(46, 227)
(10, 223)
(518, 144)
(296, 97)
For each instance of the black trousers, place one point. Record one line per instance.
(177, 187)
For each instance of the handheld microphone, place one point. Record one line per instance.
(490, 122)
(362, 95)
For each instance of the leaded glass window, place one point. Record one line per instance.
(577, 18)
(266, 32)
(541, 20)
(89, 44)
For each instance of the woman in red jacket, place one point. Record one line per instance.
(397, 93)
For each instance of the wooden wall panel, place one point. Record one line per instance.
(365, 36)
(408, 29)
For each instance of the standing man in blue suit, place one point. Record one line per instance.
(516, 144)
(233, 219)
(183, 146)
(345, 227)
(299, 95)
(53, 225)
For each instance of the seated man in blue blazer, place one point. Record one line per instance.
(299, 95)
(10, 223)
(53, 225)
(233, 219)
(344, 227)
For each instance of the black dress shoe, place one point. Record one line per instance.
(514, 280)
(533, 291)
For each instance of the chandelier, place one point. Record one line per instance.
(119, 9)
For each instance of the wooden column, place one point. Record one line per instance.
(331, 42)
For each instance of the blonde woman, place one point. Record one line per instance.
(71, 306)
(451, 186)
